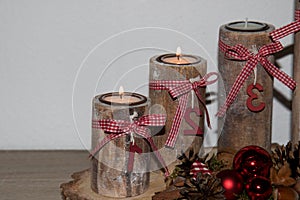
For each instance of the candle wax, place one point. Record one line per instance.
(246, 26)
(182, 60)
(123, 100)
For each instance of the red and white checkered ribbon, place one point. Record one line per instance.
(198, 167)
(239, 52)
(181, 90)
(288, 29)
(119, 128)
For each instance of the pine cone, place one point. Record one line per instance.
(294, 159)
(183, 169)
(282, 176)
(278, 156)
(186, 163)
(289, 154)
(204, 187)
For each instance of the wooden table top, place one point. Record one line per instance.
(36, 175)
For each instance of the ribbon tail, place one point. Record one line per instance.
(156, 153)
(173, 134)
(279, 75)
(205, 108)
(243, 75)
(285, 30)
(297, 14)
(103, 142)
(133, 148)
(145, 134)
(130, 159)
(158, 156)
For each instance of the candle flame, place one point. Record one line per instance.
(178, 52)
(121, 92)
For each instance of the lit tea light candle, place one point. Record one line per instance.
(122, 98)
(174, 68)
(247, 26)
(179, 58)
(117, 157)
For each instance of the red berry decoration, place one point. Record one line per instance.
(252, 161)
(232, 182)
(259, 188)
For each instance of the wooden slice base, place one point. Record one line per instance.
(80, 187)
(171, 194)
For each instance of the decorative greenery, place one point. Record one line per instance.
(213, 163)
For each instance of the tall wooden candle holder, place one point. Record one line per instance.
(296, 76)
(248, 120)
(166, 68)
(109, 174)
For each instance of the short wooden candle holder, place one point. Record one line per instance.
(109, 175)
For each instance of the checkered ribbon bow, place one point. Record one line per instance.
(181, 90)
(119, 128)
(239, 52)
(288, 29)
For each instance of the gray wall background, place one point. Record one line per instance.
(56, 55)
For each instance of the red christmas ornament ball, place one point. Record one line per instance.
(259, 188)
(252, 161)
(232, 182)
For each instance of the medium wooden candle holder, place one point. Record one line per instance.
(162, 102)
(109, 175)
(248, 120)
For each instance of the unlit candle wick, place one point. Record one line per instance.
(246, 22)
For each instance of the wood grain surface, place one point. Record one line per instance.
(110, 163)
(79, 188)
(162, 103)
(296, 94)
(242, 127)
(36, 175)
